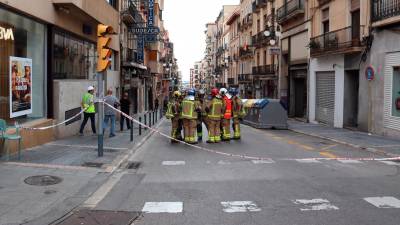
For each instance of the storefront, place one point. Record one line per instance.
(22, 68)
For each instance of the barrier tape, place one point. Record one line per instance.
(241, 155)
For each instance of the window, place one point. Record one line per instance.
(113, 3)
(396, 92)
(325, 20)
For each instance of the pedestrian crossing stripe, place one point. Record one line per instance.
(240, 206)
(349, 161)
(307, 161)
(173, 163)
(384, 202)
(315, 204)
(163, 207)
(263, 161)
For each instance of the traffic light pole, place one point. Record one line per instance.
(100, 139)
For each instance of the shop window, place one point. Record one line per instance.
(396, 92)
(27, 47)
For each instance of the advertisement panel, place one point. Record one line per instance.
(20, 86)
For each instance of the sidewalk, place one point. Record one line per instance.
(74, 162)
(387, 146)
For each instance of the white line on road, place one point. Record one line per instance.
(384, 202)
(315, 204)
(173, 163)
(240, 206)
(163, 207)
(307, 161)
(391, 163)
(349, 161)
(263, 161)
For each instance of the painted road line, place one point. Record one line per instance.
(262, 161)
(240, 206)
(173, 163)
(329, 147)
(163, 207)
(328, 154)
(391, 163)
(349, 161)
(307, 161)
(306, 147)
(317, 204)
(384, 202)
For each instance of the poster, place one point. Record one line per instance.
(20, 86)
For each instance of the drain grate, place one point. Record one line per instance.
(133, 165)
(43, 180)
(100, 217)
(93, 164)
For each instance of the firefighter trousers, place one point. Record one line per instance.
(214, 131)
(189, 127)
(236, 128)
(175, 128)
(226, 129)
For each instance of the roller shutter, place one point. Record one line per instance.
(325, 99)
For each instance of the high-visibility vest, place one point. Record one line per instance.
(228, 108)
(170, 110)
(88, 103)
(215, 112)
(188, 110)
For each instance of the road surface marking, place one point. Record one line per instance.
(263, 161)
(307, 161)
(306, 147)
(328, 147)
(349, 161)
(173, 163)
(163, 207)
(328, 154)
(277, 138)
(222, 162)
(384, 202)
(240, 206)
(315, 204)
(391, 163)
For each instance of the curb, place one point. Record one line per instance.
(368, 149)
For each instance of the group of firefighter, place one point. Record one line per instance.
(190, 109)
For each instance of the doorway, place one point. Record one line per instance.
(351, 88)
(300, 97)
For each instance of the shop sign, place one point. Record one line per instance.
(150, 18)
(6, 34)
(274, 51)
(145, 30)
(140, 47)
(370, 73)
(20, 86)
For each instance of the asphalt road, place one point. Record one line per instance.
(177, 184)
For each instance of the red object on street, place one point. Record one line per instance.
(228, 108)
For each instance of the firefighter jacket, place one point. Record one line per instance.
(189, 109)
(215, 109)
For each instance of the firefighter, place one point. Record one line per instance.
(227, 114)
(237, 112)
(189, 110)
(173, 113)
(214, 111)
(180, 120)
(201, 115)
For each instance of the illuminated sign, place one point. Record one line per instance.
(6, 34)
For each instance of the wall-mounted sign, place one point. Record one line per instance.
(274, 51)
(370, 73)
(140, 48)
(20, 86)
(150, 18)
(6, 34)
(145, 30)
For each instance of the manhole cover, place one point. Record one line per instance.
(133, 165)
(92, 164)
(99, 217)
(43, 180)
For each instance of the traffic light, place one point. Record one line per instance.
(103, 49)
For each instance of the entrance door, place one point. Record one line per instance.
(300, 97)
(351, 86)
(325, 97)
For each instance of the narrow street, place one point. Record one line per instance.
(176, 184)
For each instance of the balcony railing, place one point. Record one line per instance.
(130, 14)
(245, 52)
(383, 9)
(244, 78)
(258, 4)
(264, 70)
(343, 40)
(259, 40)
(289, 10)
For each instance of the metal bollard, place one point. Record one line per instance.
(145, 121)
(140, 125)
(154, 121)
(149, 119)
(131, 122)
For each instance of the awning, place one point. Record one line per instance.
(135, 65)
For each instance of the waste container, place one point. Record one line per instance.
(265, 113)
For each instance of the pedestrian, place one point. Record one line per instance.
(227, 115)
(110, 113)
(125, 108)
(237, 112)
(214, 111)
(173, 113)
(87, 104)
(189, 110)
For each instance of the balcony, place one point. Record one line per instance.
(244, 78)
(220, 51)
(266, 70)
(385, 12)
(290, 10)
(245, 52)
(323, 2)
(247, 21)
(343, 41)
(258, 4)
(260, 40)
(129, 13)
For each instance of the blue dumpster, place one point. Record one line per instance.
(265, 114)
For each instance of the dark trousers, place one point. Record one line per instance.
(86, 116)
(122, 120)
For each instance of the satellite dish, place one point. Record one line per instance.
(267, 33)
(272, 42)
